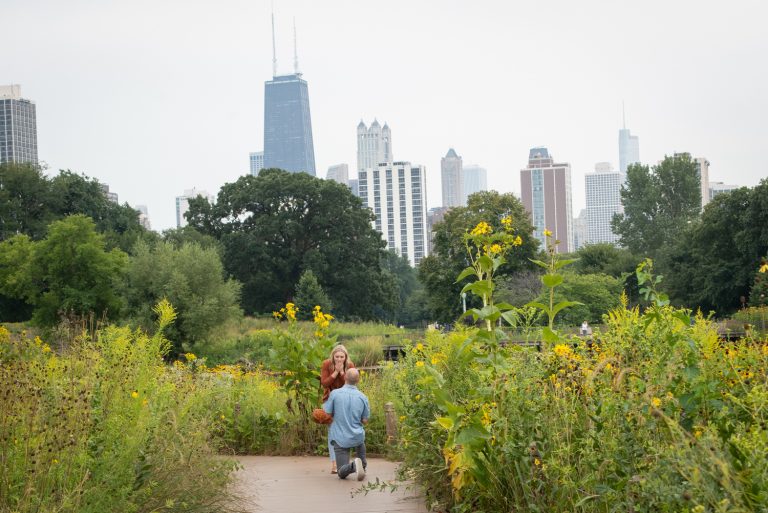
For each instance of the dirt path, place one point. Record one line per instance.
(279, 484)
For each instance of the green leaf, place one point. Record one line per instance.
(539, 263)
(551, 280)
(479, 288)
(540, 306)
(490, 313)
(445, 422)
(549, 336)
(504, 306)
(562, 263)
(564, 304)
(511, 317)
(469, 271)
(485, 263)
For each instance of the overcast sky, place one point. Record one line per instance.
(157, 96)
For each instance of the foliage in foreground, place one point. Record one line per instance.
(104, 426)
(654, 414)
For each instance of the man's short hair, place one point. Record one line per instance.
(352, 377)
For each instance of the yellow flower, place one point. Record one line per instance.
(223, 417)
(537, 462)
(434, 360)
(417, 397)
(402, 418)
(656, 402)
(134, 394)
(764, 268)
(562, 350)
(46, 348)
(608, 367)
(482, 228)
(518, 241)
(547, 233)
(420, 346)
(495, 248)
(419, 364)
(507, 222)
(190, 357)
(290, 311)
(277, 315)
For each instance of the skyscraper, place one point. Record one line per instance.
(397, 194)
(718, 188)
(18, 127)
(546, 195)
(338, 173)
(629, 146)
(374, 145)
(256, 160)
(702, 168)
(452, 179)
(475, 180)
(580, 230)
(287, 124)
(603, 191)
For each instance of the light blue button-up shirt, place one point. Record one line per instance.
(349, 408)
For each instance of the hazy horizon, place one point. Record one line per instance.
(153, 98)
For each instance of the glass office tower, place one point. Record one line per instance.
(287, 125)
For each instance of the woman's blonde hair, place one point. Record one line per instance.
(340, 348)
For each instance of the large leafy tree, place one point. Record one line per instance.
(596, 293)
(605, 258)
(448, 257)
(658, 202)
(275, 226)
(67, 273)
(713, 263)
(25, 198)
(408, 293)
(192, 278)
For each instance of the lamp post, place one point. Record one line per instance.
(464, 301)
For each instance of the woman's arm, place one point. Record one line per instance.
(327, 374)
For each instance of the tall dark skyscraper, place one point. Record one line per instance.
(18, 127)
(287, 123)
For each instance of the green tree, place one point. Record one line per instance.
(448, 258)
(309, 294)
(712, 263)
(192, 279)
(597, 293)
(658, 202)
(16, 286)
(758, 294)
(24, 201)
(607, 259)
(275, 226)
(405, 285)
(71, 273)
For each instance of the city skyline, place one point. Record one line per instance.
(126, 103)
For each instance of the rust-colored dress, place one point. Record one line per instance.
(327, 380)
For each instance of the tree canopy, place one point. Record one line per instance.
(448, 257)
(658, 202)
(277, 225)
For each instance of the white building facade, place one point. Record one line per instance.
(374, 145)
(338, 173)
(256, 160)
(475, 180)
(182, 204)
(603, 191)
(397, 194)
(452, 179)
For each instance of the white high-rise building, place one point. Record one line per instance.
(182, 204)
(374, 145)
(397, 194)
(144, 216)
(256, 159)
(338, 173)
(18, 127)
(452, 179)
(603, 191)
(475, 180)
(702, 168)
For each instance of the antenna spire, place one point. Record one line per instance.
(274, 56)
(295, 51)
(623, 116)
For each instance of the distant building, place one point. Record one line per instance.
(718, 188)
(144, 216)
(354, 185)
(338, 173)
(580, 230)
(256, 160)
(434, 216)
(475, 180)
(629, 149)
(287, 125)
(111, 196)
(546, 195)
(397, 194)
(18, 127)
(702, 169)
(452, 179)
(182, 204)
(603, 191)
(374, 145)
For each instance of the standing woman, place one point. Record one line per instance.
(332, 377)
